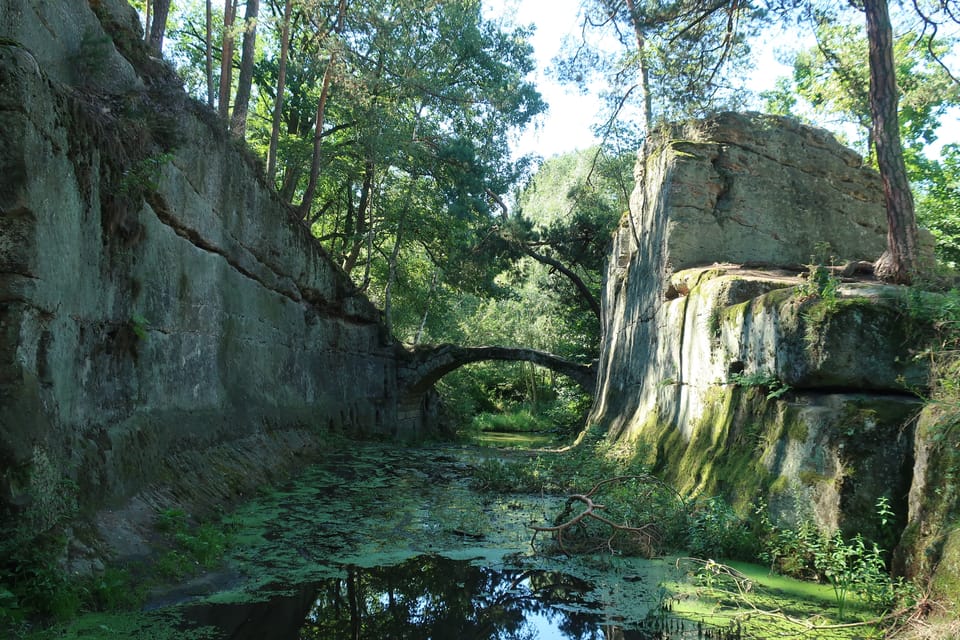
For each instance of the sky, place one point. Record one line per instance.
(568, 123)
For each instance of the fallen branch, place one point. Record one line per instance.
(647, 536)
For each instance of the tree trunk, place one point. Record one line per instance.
(574, 279)
(900, 262)
(291, 176)
(310, 193)
(585, 294)
(281, 86)
(238, 124)
(353, 598)
(209, 53)
(417, 339)
(392, 276)
(647, 113)
(147, 21)
(311, 190)
(646, 116)
(361, 226)
(226, 59)
(161, 9)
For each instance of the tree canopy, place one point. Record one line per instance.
(388, 126)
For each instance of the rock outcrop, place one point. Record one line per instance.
(168, 330)
(735, 369)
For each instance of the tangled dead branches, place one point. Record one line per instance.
(635, 512)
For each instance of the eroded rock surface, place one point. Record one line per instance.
(168, 330)
(748, 381)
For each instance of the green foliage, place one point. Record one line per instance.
(941, 313)
(420, 108)
(771, 385)
(35, 585)
(566, 212)
(716, 531)
(821, 282)
(144, 176)
(513, 476)
(576, 470)
(832, 79)
(113, 589)
(848, 565)
(938, 201)
(191, 547)
(688, 64)
(520, 421)
(139, 325)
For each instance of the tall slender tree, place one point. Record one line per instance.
(208, 52)
(226, 59)
(900, 262)
(311, 190)
(281, 89)
(238, 122)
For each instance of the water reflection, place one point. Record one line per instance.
(431, 597)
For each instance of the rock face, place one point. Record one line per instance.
(167, 328)
(754, 382)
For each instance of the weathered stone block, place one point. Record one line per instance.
(739, 379)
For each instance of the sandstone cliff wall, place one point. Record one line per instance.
(167, 329)
(728, 369)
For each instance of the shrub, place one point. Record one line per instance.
(716, 531)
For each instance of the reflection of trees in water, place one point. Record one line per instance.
(434, 597)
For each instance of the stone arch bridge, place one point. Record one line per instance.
(426, 365)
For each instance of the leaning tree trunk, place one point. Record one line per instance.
(358, 226)
(311, 190)
(281, 87)
(900, 262)
(208, 52)
(226, 59)
(392, 276)
(161, 8)
(238, 123)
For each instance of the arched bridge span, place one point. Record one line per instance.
(428, 364)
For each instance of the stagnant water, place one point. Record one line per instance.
(380, 541)
(431, 597)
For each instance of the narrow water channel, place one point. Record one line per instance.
(378, 541)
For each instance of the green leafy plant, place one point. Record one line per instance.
(144, 176)
(772, 386)
(849, 566)
(191, 546)
(716, 531)
(113, 590)
(520, 420)
(821, 283)
(139, 325)
(512, 476)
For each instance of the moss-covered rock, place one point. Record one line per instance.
(764, 378)
(930, 545)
